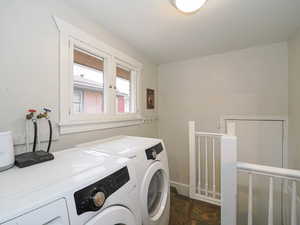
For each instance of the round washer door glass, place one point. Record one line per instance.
(156, 192)
(114, 215)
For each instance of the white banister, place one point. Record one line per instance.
(272, 172)
(205, 134)
(203, 148)
(294, 208)
(271, 202)
(250, 200)
(269, 171)
(204, 165)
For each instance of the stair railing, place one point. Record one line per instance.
(287, 176)
(212, 162)
(203, 149)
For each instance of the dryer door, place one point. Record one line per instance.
(154, 193)
(114, 215)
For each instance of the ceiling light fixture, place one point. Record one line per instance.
(188, 6)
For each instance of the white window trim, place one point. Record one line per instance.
(70, 123)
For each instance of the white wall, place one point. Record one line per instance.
(249, 81)
(294, 101)
(29, 67)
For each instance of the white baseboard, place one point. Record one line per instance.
(183, 189)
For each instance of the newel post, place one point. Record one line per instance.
(192, 158)
(228, 180)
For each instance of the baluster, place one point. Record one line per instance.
(214, 167)
(250, 199)
(293, 211)
(270, 212)
(286, 211)
(206, 168)
(199, 164)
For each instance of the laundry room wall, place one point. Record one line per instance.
(251, 81)
(29, 67)
(294, 104)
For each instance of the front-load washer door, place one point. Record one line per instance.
(114, 215)
(154, 193)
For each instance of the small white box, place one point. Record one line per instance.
(7, 156)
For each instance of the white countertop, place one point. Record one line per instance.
(125, 146)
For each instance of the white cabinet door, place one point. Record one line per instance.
(259, 142)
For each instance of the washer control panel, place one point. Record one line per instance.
(92, 197)
(151, 153)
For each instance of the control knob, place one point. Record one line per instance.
(154, 155)
(98, 199)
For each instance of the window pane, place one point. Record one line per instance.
(88, 94)
(124, 95)
(77, 100)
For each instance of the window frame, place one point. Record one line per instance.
(71, 36)
(133, 86)
(81, 46)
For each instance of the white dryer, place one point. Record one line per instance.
(151, 163)
(79, 187)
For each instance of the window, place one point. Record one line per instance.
(124, 92)
(99, 85)
(88, 79)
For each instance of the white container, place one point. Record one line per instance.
(7, 156)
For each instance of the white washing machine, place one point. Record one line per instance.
(79, 187)
(151, 163)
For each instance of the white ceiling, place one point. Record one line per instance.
(162, 33)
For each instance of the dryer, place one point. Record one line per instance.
(80, 187)
(151, 162)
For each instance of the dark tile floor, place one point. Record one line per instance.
(185, 211)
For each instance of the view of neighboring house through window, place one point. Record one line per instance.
(88, 83)
(123, 88)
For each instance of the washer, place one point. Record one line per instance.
(151, 162)
(79, 187)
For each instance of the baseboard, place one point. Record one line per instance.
(183, 189)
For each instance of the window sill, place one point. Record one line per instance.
(84, 126)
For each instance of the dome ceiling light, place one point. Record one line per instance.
(188, 6)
